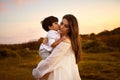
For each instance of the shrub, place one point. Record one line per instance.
(5, 52)
(26, 52)
(95, 46)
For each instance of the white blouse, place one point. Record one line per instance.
(61, 63)
(52, 36)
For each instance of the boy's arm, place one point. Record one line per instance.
(54, 44)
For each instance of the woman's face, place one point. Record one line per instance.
(64, 27)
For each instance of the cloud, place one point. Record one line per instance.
(5, 5)
(21, 3)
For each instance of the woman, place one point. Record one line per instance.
(61, 64)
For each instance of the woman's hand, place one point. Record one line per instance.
(63, 38)
(45, 77)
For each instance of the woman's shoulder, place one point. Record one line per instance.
(64, 44)
(67, 41)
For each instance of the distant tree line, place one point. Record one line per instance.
(110, 40)
(32, 45)
(96, 42)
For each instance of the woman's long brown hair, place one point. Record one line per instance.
(74, 35)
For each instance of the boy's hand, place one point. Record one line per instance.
(45, 41)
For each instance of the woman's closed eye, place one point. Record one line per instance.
(67, 26)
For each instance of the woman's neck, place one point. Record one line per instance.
(65, 36)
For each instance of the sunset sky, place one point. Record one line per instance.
(20, 19)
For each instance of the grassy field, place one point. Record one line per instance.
(100, 66)
(94, 66)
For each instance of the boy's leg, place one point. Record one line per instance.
(44, 53)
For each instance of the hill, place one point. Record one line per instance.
(115, 31)
(105, 40)
(101, 41)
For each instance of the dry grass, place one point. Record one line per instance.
(100, 66)
(95, 66)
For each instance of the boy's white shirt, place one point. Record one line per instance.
(52, 36)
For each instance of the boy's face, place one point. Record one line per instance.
(55, 26)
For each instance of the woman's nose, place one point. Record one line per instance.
(61, 26)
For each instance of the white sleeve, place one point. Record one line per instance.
(48, 65)
(51, 37)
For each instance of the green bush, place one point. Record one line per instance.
(26, 52)
(5, 52)
(95, 46)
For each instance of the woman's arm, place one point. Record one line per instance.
(57, 42)
(48, 65)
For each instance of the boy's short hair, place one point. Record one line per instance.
(48, 22)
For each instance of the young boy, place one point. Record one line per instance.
(50, 24)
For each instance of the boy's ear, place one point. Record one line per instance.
(49, 27)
